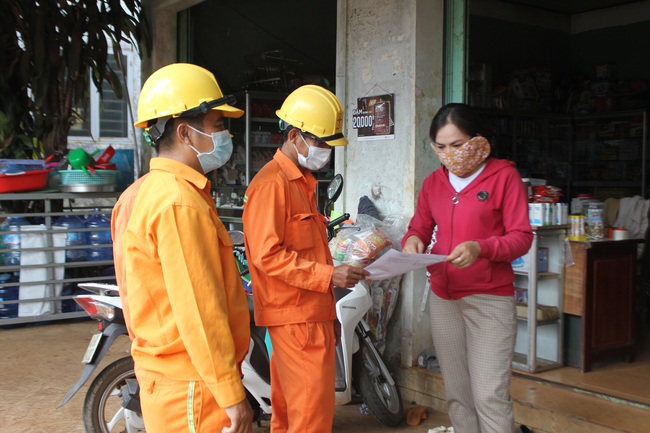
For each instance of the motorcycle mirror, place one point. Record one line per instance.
(334, 188)
(237, 237)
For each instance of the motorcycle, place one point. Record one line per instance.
(359, 365)
(112, 403)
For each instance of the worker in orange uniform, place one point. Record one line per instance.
(184, 302)
(291, 267)
(119, 219)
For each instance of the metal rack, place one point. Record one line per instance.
(539, 344)
(80, 204)
(611, 162)
(251, 122)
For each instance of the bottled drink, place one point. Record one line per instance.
(100, 236)
(73, 238)
(8, 293)
(11, 240)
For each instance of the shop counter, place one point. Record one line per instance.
(600, 296)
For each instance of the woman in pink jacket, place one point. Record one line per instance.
(474, 210)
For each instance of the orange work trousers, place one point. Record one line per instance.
(302, 377)
(172, 406)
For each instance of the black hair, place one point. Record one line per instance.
(460, 115)
(166, 139)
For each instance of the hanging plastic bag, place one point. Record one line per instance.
(358, 246)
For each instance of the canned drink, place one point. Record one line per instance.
(561, 213)
(548, 214)
(577, 228)
(535, 214)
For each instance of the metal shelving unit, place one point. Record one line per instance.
(80, 204)
(264, 123)
(539, 344)
(600, 153)
(609, 154)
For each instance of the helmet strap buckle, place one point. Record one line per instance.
(156, 130)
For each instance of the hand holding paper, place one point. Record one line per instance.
(394, 263)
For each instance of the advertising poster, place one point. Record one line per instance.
(373, 117)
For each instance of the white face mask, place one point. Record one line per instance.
(220, 153)
(316, 157)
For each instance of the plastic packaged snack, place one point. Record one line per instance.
(358, 247)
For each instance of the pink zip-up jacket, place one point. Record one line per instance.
(492, 210)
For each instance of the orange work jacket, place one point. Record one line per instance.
(286, 246)
(119, 219)
(186, 303)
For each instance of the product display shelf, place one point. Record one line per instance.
(604, 154)
(539, 343)
(56, 281)
(538, 142)
(609, 156)
(260, 123)
(258, 133)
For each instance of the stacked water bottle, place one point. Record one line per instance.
(75, 240)
(99, 239)
(9, 291)
(82, 244)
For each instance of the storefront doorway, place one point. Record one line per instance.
(562, 96)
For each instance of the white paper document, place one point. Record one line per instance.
(394, 263)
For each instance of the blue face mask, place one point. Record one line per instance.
(220, 153)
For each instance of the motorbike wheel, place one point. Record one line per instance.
(103, 411)
(382, 399)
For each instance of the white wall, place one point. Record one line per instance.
(391, 47)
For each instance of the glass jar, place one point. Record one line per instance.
(595, 223)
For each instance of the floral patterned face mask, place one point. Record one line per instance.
(466, 158)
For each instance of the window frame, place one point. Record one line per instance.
(132, 82)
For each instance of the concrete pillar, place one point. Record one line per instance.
(392, 47)
(163, 23)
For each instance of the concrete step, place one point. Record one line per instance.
(543, 406)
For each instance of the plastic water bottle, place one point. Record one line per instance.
(8, 293)
(11, 240)
(101, 236)
(73, 238)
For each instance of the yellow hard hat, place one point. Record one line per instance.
(182, 89)
(315, 110)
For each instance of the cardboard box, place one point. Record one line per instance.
(544, 312)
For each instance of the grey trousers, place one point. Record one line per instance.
(474, 339)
